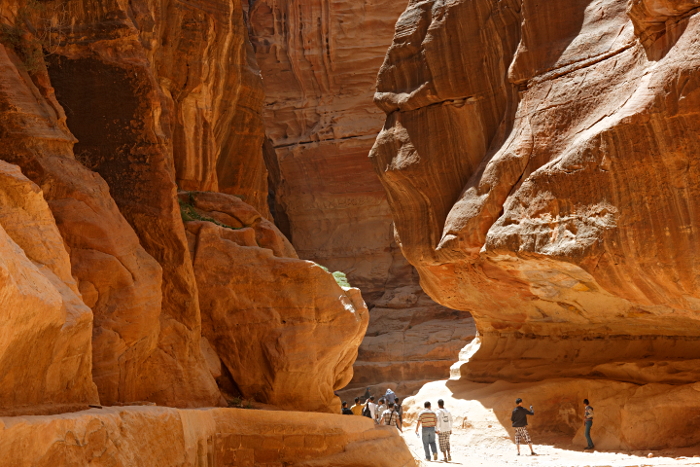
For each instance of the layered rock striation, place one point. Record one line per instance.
(319, 62)
(105, 111)
(539, 160)
(158, 436)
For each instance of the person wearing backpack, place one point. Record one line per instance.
(588, 423)
(390, 417)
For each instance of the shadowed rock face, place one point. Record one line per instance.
(539, 161)
(319, 62)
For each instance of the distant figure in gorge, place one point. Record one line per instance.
(428, 419)
(372, 408)
(346, 411)
(444, 430)
(357, 408)
(519, 419)
(588, 423)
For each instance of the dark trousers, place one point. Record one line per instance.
(589, 424)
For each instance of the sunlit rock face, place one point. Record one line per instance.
(45, 341)
(540, 162)
(284, 331)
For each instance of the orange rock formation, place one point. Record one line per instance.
(539, 160)
(319, 62)
(135, 126)
(157, 436)
(275, 321)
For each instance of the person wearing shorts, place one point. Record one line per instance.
(444, 430)
(519, 419)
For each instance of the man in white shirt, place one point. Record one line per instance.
(381, 409)
(444, 429)
(372, 408)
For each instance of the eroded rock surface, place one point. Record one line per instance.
(115, 275)
(45, 341)
(319, 63)
(156, 436)
(276, 322)
(539, 159)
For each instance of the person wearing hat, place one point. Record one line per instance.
(519, 419)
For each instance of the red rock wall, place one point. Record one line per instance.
(107, 108)
(319, 63)
(539, 160)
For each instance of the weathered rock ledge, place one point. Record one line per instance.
(165, 437)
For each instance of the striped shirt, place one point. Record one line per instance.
(427, 418)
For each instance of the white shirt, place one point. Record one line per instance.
(373, 410)
(444, 420)
(381, 410)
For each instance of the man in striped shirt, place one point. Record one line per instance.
(428, 419)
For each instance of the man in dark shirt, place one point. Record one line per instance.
(346, 411)
(519, 419)
(588, 423)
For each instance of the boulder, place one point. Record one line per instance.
(284, 329)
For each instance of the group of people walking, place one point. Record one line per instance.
(436, 423)
(439, 423)
(387, 411)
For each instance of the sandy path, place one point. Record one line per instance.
(501, 454)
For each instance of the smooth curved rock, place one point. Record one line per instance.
(45, 338)
(164, 437)
(277, 323)
(548, 189)
(115, 275)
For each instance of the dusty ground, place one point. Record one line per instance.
(504, 454)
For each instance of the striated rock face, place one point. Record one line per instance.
(539, 160)
(276, 322)
(156, 436)
(115, 275)
(319, 62)
(45, 342)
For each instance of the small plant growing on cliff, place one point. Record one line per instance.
(188, 214)
(340, 278)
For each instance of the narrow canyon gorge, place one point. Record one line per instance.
(218, 219)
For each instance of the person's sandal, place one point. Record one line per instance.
(533, 453)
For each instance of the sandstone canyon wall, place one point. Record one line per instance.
(540, 160)
(319, 62)
(106, 110)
